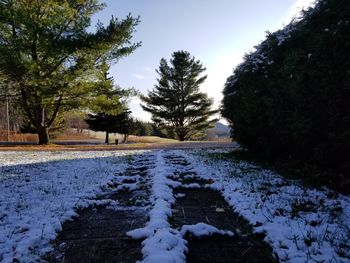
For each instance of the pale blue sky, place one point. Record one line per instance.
(218, 33)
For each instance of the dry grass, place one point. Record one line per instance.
(132, 146)
(135, 142)
(150, 139)
(132, 138)
(101, 136)
(27, 137)
(223, 139)
(74, 137)
(18, 137)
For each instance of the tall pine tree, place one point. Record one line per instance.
(176, 102)
(51, 59)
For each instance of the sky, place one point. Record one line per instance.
(218, 33)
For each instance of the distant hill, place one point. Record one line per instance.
(220, 130)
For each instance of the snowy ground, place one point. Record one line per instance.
(301, 224)
(39, 191)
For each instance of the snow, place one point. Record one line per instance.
(162, 243)
(179, 195)
(202, 229)
(192, 185)
(301, 224)
(128, 187)
(285, 33)
(41, 190)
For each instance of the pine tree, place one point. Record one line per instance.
(119, 123)
(109, 107)
(108, 98)
(50, 57)
(176, 102)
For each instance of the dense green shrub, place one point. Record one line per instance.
(290, 98)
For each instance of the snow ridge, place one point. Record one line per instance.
(162, 243)
(202, 229)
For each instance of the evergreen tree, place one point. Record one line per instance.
(108, 98)
(129, 127)
(110, 105)
(176, 102)
(290, 97)
(119, 123)
(142, 128)
(50, 57)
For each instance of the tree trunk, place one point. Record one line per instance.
(125, 137)
(181, 137)
(107, 138)
(43, 134)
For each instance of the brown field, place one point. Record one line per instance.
(92, 141)
(18, 137)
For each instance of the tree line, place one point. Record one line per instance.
(290, 98)
(53, 63)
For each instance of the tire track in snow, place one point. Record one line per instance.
(213, 231)
(191, 223)
(98, 234)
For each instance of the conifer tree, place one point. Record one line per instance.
(176, 102)
(119, 123)
(50, 57)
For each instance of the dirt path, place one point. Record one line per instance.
(99, 233)
(202, 205)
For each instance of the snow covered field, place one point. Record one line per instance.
(39, 191)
